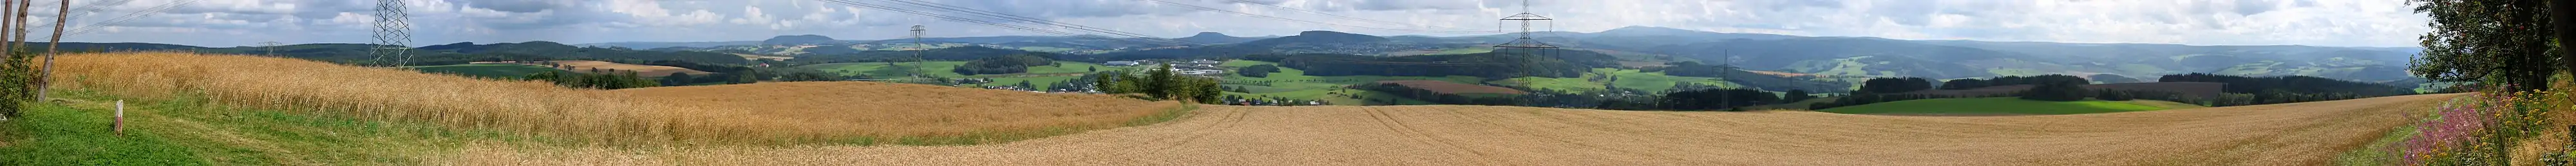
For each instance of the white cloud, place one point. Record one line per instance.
(2203, 22)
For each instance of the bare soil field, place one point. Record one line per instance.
(2285, 134)
(1453, 88)
(2200, 89)
(640, 70)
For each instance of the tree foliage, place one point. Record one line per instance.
(1895, 85)
(2112, 78)
(1258, 71)
(1717, 99)
(1969, 83)
(1795, 95)
(2492, 41)
(594, 81)
(2057, 90)
(1003, 64)
(1488, 65)
(1161, 84)
(17, 84)
(2290, 84)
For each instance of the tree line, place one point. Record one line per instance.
(1006, 64)
(594, 81)
(1437, 97)
(1161, 83)
(1487, 65)
(2242, 90)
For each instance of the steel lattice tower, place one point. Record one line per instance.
(1525, 42)
(918, 48)
(393, 33)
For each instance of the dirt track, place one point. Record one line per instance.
(2288, 134)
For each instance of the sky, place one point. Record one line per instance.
(226, 23)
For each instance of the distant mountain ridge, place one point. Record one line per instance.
(1645, 45)
(799, 40)
(1216, 38)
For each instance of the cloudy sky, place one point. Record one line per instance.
(223, 23)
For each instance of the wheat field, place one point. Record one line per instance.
(2311, 133)
(539, 109)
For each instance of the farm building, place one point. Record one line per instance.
(1122, 63)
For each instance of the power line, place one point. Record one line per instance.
(1311, 22)
(1020, 18)
(91, 6)
(85, 29)
(1349, 17)
(1003, 25)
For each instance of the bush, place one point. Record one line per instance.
(17, 83)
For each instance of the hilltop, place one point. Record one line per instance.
(799, 40)
(1216, 38)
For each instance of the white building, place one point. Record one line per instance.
(1122, 63)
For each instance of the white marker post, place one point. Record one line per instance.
(120, 118)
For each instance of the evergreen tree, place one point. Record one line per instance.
(1159, 82)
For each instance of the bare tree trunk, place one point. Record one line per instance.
(20, 32)
(53, 46)
(7, 23)
(2562, 16)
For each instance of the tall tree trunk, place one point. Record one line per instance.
(54, 46)
(7, 7)
(2562, 16)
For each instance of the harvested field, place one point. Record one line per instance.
(640, 70)
(907, 109)
(2199, 89)
(2285, 134)
(1452, 87)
